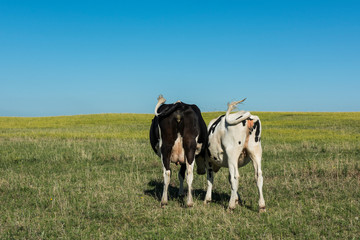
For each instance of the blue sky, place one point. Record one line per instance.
(82, 57)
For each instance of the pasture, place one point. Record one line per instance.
(96, 177)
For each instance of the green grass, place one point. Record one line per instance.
(96, 177)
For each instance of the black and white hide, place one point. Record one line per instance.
(234, 140)
(178, 134)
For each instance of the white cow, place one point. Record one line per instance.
(234, 140)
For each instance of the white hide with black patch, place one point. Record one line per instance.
(234, 140)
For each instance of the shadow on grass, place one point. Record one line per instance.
(157, 191)
(217, 198)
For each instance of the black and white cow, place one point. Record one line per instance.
(234, 140)
(178, 134)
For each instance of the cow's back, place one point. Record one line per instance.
(178, 123)
(224, 137)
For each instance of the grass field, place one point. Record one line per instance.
(96, 177)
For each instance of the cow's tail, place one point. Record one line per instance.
(236, 117)
(161, 100)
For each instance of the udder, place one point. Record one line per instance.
(177, 152)
(244, 158)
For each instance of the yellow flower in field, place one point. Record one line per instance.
(50, 199)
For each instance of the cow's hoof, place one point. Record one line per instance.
(163, 204)
(230, 210)
(232, 205)
(262, 209)
(190, 204)
(206, 201)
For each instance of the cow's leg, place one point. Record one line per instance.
(189, 148)
(237, 193)
(210, 181)
(256, 159)
(165, 157)
(166, 174)
(189, 180)
(181, 176)
(233, 178)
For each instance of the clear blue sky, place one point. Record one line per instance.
(81, 57)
